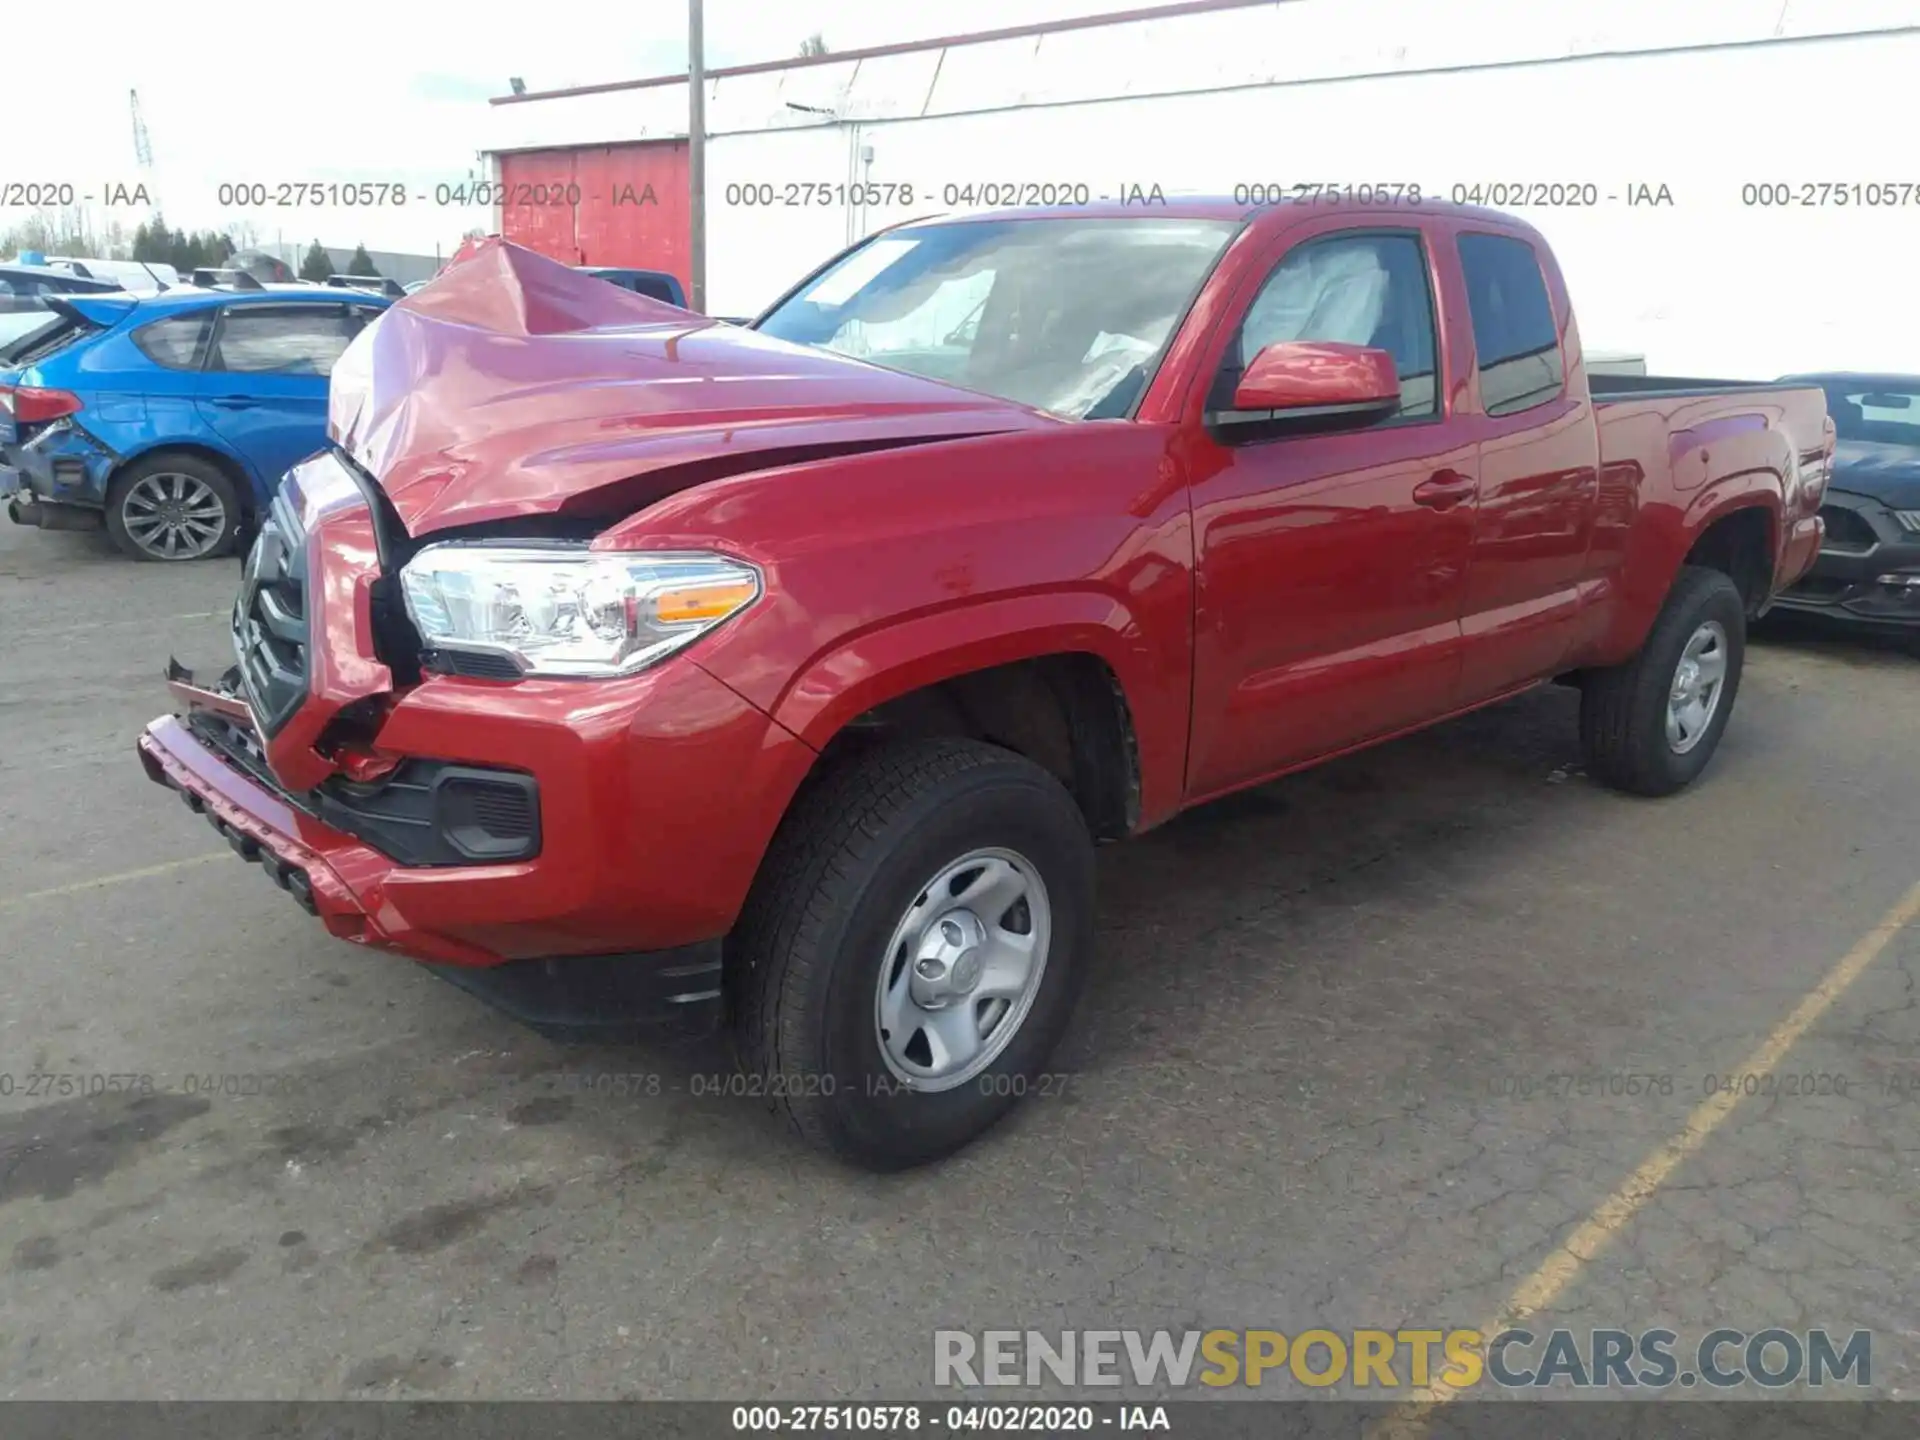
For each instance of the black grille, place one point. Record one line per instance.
(270, 619)
(1847, 529)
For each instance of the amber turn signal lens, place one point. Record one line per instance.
(702, 602)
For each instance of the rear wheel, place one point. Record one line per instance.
(1650, 726)
(913, 948)
(173, 507)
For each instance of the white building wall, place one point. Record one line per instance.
(1703, 98)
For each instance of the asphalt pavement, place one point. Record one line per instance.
(1347, 1060)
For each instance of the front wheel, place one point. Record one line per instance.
(1650, 726)
(913, 948)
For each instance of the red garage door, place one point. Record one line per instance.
(602, 205)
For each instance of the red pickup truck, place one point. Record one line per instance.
(620, 664)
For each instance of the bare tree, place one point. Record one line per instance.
(813, 45)
(66, 231)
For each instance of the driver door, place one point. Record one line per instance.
(1331, 566)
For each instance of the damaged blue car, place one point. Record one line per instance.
(169, 418)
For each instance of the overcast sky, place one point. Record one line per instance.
(351, 90)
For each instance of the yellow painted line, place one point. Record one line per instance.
(1558, 1270)
(13, 901)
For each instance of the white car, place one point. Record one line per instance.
(134, 276)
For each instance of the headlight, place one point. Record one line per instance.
(565, 610)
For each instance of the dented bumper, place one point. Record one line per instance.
(640, 805)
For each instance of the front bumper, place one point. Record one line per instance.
(642, 809)
(1868, 569)
(658, 794)
(570, 997)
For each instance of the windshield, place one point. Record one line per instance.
(1068, 316)
(1875, 413)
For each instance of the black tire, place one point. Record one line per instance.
(174, 462)
(1623, 710)
(804, 965)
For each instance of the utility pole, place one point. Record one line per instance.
(697, 154)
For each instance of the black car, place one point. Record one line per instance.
(1868, 572)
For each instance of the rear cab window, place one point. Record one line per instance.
(1514, 334)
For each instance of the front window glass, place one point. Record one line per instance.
(1358, 289)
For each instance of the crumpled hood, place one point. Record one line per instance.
(515, 385)
(1888, 473)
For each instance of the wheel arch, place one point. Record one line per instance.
(1056, 677)
(1735, 531)
(1741, 539)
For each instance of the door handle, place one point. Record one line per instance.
(1444, 489)
(235, 402)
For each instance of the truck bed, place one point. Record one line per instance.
(1605, 388)
(1667, 436)
(1640, 414)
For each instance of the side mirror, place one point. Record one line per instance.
(1316, 383)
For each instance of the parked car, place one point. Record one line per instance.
(138, 276)
(23, 307)
(22, 291)
(651, 667)
(225, 277)
(171, 418)
(655, 284)
(264, 266)
(26, 280)
(374, 284)
(1868, 573)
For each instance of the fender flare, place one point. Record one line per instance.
(1641, 604)
(912, 652)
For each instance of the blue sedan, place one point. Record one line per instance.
(169, 418)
